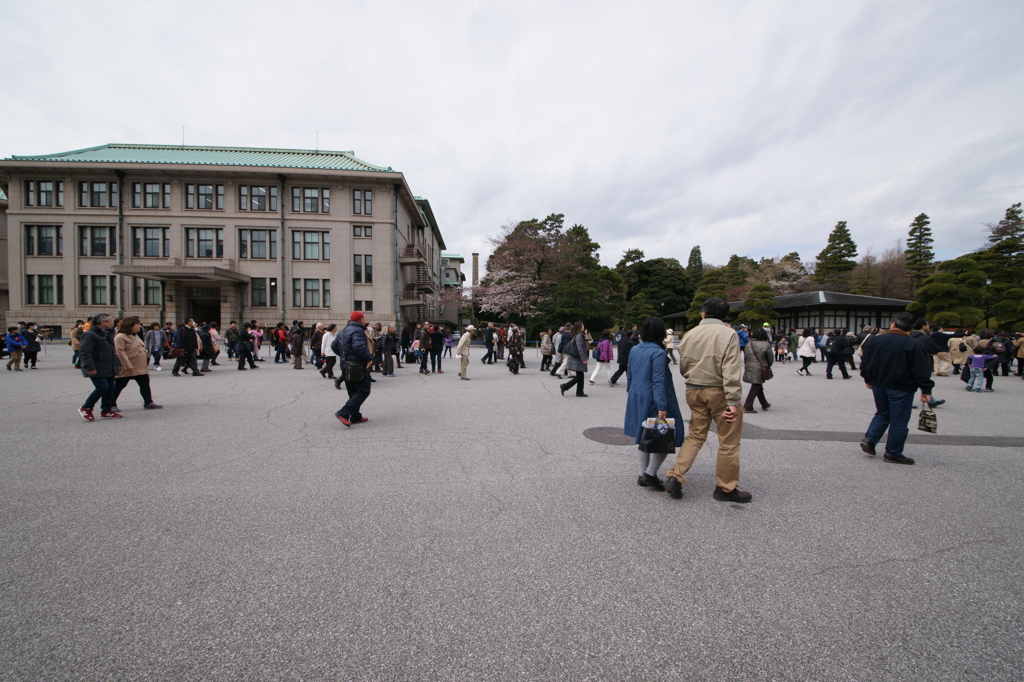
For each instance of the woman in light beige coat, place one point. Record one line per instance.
(131, 354)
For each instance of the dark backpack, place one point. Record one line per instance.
(998, 347)
(832, 345)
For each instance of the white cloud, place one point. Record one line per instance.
(745, 127)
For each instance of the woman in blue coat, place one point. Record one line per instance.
(651, 394)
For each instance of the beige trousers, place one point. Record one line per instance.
(464, 365)
(942, 363)
(707, 404)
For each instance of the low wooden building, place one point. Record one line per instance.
(825, 310)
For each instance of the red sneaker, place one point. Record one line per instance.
(360, 420)
(110, 415)
(86, 414)
(344, 420)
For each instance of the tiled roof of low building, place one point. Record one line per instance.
(212, 156)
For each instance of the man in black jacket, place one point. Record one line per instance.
(99, 363)
(894, 367)
(625, 345)
(244, 347)
(488, 358)
(352, 351)
(835, 348)
(186, 339)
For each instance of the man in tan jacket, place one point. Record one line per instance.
(462, 351)
(709, 360)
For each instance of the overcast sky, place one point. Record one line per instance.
(745, 127)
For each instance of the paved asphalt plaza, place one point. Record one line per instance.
(469, 531)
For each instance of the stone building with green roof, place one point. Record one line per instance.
(168, 232)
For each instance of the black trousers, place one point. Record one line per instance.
(244, 354)
(142, 380)
(358, 392)
(618, 373)
(545, 363)
(849, 359)
(188, 361)
(32, 355)
(423, 360)
(435, 359)
(833, 361)
(488, 357)
(328, 369)
(756, 392)
(807, 363)
(577, 381)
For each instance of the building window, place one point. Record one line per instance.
(357, 305)
(97, 241)
(145, 291)
(327, 293)
(368, 306)
(312, 287)
(254, 198)
(254, 243)
(154, 292)
(99, 290)
(296, 293)
(44, 240)
(151, 242)
(204, 242)
(46, 293)
(363, 269)
(273, 292)
(311, 245)
(259, 291)
(362, 201)
(30, 290)
(362, 231)
(311, 200)
(154, 195)
(97, 194)
(44, 193)
(204, 197)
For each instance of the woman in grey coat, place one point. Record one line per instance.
(155, 344)
(577, 365)
(757, 356)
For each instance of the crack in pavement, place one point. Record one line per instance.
(914, 558)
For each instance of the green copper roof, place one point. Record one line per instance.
(3, 197)
(453, 256)
(211, 156)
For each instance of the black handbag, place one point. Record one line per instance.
(659, 438)
(571, 349)
(965, 373)
(354, 371)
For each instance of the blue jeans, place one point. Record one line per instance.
(977, 378)
(892, 411)
(104, 389)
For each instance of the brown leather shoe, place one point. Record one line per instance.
(734, 495)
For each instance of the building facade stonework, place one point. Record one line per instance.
(216, 234)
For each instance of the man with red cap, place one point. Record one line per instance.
(355, 360)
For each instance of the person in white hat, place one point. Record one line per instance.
(462, 351)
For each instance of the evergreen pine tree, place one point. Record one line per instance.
(734, 275)
(757, 308)
(836, 260)
(638, 310)
(695, 266)
(952, 295)
(920, 257)
(711, 286)
(1010, 227)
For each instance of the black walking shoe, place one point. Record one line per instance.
(561, 388)
(898, 459)
(734, 495)
(648, 481)
(868, 446)
(674, 488)
(337, 383)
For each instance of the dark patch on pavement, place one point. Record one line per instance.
(609, 435)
